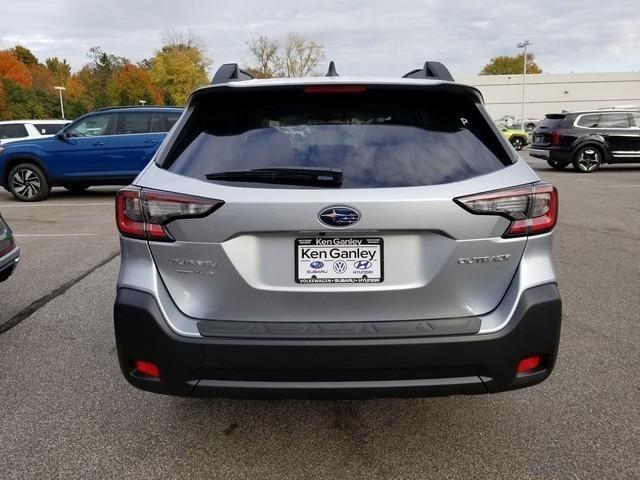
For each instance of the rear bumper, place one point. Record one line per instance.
(8, 263)
(337, 368)
(550, 154)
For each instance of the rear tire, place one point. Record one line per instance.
(587, 159)
(28, 183)
(517, 142)
(558, 164)
(79, 188)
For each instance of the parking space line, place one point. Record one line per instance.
(110, 204)
(56, 235)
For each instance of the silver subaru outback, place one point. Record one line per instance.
(336, 237)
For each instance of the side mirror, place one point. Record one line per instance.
(61, 136)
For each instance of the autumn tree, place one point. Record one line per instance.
(41, 78)
(11, 68)
(132, 84)
(506, 65)
(98, 74)
(179, 67)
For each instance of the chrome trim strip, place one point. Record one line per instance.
(351, 384)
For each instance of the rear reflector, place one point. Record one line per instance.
(147, 368)
(529, 363)
(325, 89)
(143, 214)
(532, 209)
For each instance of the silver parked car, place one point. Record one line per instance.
(334, 236)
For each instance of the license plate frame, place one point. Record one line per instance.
(356, 245)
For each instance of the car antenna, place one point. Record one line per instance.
(332, 72)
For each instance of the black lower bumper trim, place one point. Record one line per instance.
(343, 368)
(339, 330)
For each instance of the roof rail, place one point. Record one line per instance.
(230, 72)
(431, 70)
(117, 107)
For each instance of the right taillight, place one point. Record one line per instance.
(143, 214)
(532, 209)
(555, 137)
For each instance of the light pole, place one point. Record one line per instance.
(142, 102)
(524, 45)
(60, 89)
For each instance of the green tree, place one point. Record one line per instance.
(60, 70)
(27, 102)
(505, 65)
(25, 55)
(179, 67)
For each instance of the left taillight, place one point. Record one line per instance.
(532, 209)
(143, 214)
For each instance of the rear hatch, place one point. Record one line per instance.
(336, 203)
(543, 133)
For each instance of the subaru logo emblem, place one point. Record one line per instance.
(316, 264)
(339, 216)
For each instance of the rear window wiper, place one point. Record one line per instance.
(307, 176)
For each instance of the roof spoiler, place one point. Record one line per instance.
(431, 70)
(230, 72)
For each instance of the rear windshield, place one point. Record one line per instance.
(377, 139)
(551, 122)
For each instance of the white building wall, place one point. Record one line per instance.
(549, 93)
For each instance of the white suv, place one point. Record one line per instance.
(11, 130)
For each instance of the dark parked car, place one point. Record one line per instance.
(9, 251)
(105, 147)
(588, 139)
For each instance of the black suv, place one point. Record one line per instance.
(588, 139)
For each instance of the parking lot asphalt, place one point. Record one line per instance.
(61, 240)
(66, 411)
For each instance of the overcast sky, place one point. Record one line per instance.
(375, 37)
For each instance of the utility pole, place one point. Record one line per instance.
(524, 45)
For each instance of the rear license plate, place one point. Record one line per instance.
(339, 260)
